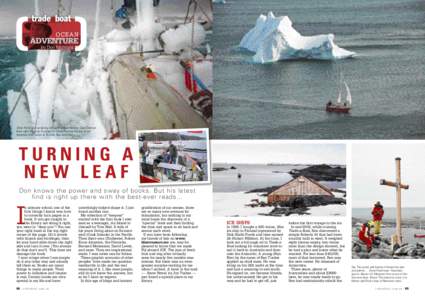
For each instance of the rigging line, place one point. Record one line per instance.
(204, 13)
(188, 10)
(195, 2)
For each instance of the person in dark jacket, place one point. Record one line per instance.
(144, 150)
(172, 149)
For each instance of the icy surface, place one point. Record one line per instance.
(273, 39)
(169, 68)
(32, 89)
(234, 204)
(177, 39)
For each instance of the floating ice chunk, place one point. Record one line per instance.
(177, 39)
(274, 38)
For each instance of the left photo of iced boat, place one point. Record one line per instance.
(147, 65)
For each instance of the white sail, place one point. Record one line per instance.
(339, 98)
(348, 94)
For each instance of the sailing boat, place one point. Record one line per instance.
(341, 107)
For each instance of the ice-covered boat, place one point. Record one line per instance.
(131, 79)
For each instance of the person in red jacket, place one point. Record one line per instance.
(377, 213)
(366, 236)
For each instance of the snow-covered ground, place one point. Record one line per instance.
(234, 205)
(274, 38)
(328, 210)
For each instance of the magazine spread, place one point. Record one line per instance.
(121, 177)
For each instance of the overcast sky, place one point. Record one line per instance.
(374, 162)
(11, 10)
(263, 152)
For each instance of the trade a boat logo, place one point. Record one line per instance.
(51, 33)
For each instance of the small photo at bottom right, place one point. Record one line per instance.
(388, 215)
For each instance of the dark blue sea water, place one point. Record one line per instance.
(286, 99)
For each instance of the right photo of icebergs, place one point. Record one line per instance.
(319, 69)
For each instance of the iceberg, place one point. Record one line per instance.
(273, 39)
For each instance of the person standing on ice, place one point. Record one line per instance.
(366, 236)
(173, 153)
(145, 150)
(377, 213)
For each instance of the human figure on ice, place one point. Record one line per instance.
(172, 149)
(366, 236)
(377, 213)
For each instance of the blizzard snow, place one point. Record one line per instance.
(273, 39)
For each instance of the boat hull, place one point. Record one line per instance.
(338, 109)
(148, 179)
(419, 235)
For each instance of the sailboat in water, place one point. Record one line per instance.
(339, 106)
